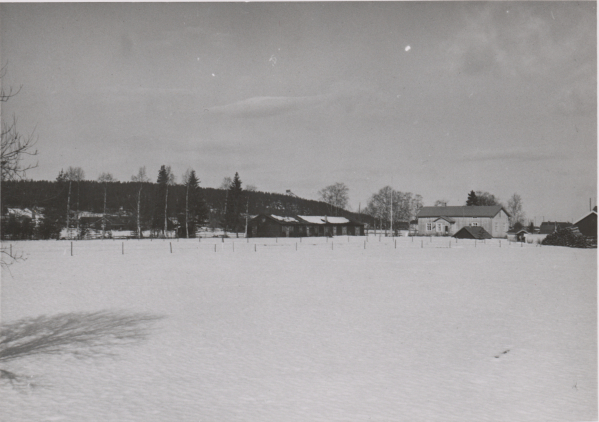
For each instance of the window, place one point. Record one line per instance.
(474, 224)
(429, 227)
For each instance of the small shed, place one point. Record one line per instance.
(470, 232)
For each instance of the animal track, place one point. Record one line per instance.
(502, 353)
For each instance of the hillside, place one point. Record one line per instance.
(122, 196)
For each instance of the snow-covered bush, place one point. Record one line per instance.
(569, 236)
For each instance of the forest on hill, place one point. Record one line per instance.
(126, 201)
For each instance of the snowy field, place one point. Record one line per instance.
(319, 330)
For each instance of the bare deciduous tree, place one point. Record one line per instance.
(486, 198)
(73, 174)
(14, 148)
(140, 178)
(389, 205)
(336, 196)
(15, 145)
(226, 183)
(105, 178)
(514, 208)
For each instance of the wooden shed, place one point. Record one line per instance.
(588, 224)
(470, 232)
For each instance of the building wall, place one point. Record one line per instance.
(588, 225)
(496, 226)
(262, 226)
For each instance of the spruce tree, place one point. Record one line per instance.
(195, 212)
(234, 206)
(472, 199)
(165, 179)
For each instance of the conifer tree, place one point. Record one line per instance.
(234, 205)
(472, 199)
(165, 179)
(195, 212)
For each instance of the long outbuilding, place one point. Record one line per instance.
(270, 225)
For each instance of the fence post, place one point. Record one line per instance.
(215, 247)
(123, 248)
(475, 243)
(71, 248)
(396, 244)
(171, 245)
(254, 247)
(421, 243)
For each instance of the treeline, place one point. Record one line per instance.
(130, 204)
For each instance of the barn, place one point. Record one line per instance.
(587, 225)
(270, 225)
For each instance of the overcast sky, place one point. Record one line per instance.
(434, 98)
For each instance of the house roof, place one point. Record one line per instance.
(319, 219)
(594, 212)
(284, 219)
(548, 227)
(461, 211)
(448, 219)
(470, 232)
(309, 219)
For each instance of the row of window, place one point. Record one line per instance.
(439, 226)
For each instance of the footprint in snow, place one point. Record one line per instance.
(502, 353)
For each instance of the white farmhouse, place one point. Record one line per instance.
(446, 221)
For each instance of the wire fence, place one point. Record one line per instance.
(371, 243)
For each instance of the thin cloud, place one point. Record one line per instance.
(267, 106)
(512, 155)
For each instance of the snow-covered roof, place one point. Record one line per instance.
(321, 219)
(590, 213)
(285, 219)
(337, 220)
(19, 212)
(314, 219)
(89, 214)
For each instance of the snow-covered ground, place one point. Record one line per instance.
(319, 330)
